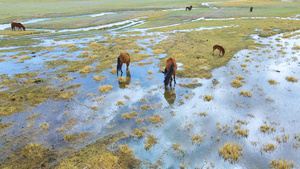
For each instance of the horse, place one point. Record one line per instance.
(251, 9)
(170, 70)
(220, 48)
(188, 8)
(19, 25)
(123, 58)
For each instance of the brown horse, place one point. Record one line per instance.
(123, 58)
(220, 48)
(19, 25)
(170, 70)
(188, 8)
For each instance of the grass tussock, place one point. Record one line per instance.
(44, 126)
(130, 115)
(231, 151)
(236, 83)
(105, 89)
(190, 85)
(246, 93)
(281, 164)
(144, 107)
(208, 98)
(26, 58)
(269, 147)
(296, 48)
(203, 114)
(76, 136)
(155, 119)
(197, 139)
(86, 69)
(138, 133)
(158, 51)
(273, 82)
(150, 141)
(240, 132)
(291, 79)
(267, 128)
(99, 78)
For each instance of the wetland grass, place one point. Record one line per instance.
(130, 115)
(281, 164)
(197, 139)
(231, 151)
(138, 133)
(76, 136)
(291, 79)
(155, 119)
(236, 83)
(150, 142)
(105, 89)
(208, 98)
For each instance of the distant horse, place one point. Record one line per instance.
(170, 70)
(220, 48)
(251, 9)
(123, 58)
(189, 8)
(19, 25)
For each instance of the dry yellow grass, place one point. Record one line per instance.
(291, 79)
(281, 164)
(106, 89)
(231, 151)
(236, 83)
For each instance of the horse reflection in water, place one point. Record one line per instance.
(170, 95)
(124, 81)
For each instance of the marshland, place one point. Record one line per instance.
(62, 104)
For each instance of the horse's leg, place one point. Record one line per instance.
(127, 65)
(213, 52)
(174, 78)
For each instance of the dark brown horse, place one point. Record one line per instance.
(189, 8)
(170, 70)
(123, 58)
(220, 48)
(19, 25)
(251, 8)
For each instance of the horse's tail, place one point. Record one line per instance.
(119, 64)
(169, 74)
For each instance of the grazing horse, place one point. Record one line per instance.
(188, 8)
(220, 48)
(251, 9)
(169, 71)
(19, 25)
(123, 58)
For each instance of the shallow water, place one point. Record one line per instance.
(180, 113)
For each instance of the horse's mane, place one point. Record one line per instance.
(169, 74)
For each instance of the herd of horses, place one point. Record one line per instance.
(170, 69)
